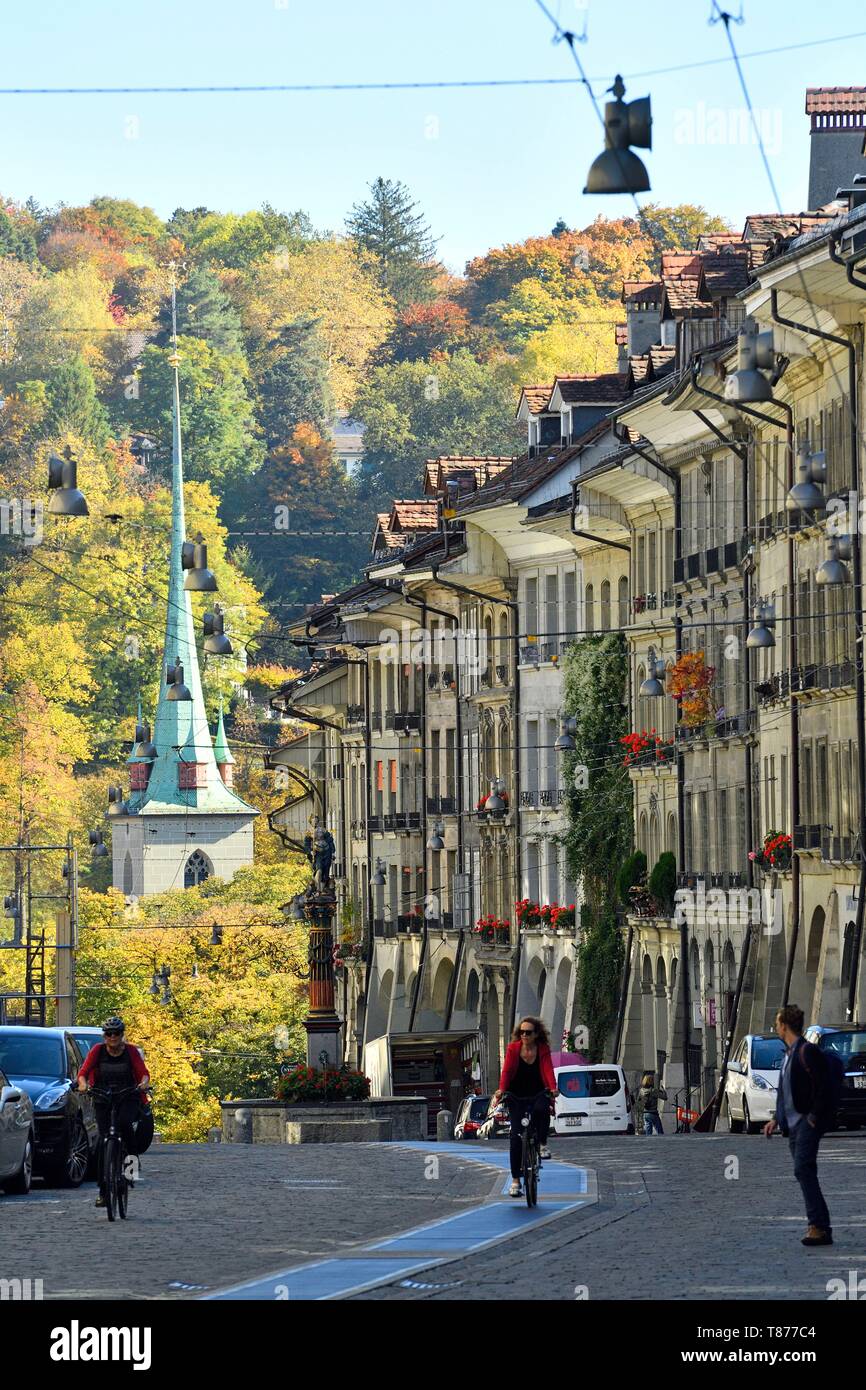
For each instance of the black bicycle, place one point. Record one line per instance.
(116, 1182)
(530, 1162)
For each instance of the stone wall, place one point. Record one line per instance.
(264, 1121)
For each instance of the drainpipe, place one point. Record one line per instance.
(794, 713)
(856, 576)
(510, 604)
(742, 453)
(674, 477)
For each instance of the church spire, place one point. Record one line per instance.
(184, 774)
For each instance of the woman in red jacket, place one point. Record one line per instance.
(527, 1076)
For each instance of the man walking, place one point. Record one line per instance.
(804, 1112)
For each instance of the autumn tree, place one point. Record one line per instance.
(429, 329)
(329, 283)
(677, 228)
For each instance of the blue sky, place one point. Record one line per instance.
(487, 166)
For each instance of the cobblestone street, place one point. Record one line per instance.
(701, 1217)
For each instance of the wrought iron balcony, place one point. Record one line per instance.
(375, 824)
(355, 716)
(529, 655)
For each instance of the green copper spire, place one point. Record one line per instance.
(221, 749)
(133, 757)
(181, 731)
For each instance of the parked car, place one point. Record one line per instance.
(17, 1137)
(848, 1041)
(86, 1037)
(592, 1099)
(752, 1082)
(44, 1062)
(472, 1114)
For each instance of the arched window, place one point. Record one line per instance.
(589, 617)
(671, 835)
(696, 966)
(654, 850)
(605, 606)
(198, 868)
(622, 601)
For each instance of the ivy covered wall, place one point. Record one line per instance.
(599, 832)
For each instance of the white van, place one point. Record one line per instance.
(592, 1100)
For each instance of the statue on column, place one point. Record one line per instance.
(320, 849)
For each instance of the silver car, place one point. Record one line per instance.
(17, 1137)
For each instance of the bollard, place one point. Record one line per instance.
(444, 1126)
(243, 1127)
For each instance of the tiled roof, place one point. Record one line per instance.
(649, 366)
(682, 296)
(472, 469)
(409, 514)
(528, 473)
(536, 397)
(597, 388)
(711, 241)
(680, 263)
(661, 357)
(835, 99)
(726, 272)
(646, 291)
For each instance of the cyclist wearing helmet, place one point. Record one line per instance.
(113, 1065)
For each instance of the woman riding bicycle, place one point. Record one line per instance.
(113, 1065)
(527, 1076)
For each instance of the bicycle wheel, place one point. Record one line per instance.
(111, 1173)
(122, 1184)
(530, 1170)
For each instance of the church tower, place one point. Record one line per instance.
(182, 822)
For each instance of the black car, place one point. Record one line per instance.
(45, 1063)
(848, 1041)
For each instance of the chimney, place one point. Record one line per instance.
(838, 129)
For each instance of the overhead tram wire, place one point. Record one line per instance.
(277, 88)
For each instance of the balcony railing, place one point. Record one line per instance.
(375, 824)
(839, 849)
(529, 655)
(808, 836)
(407, 820)
(359, 829)
(355, 717)
(549, 651)
(497, 938)
(441, 806)
(644, 603)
